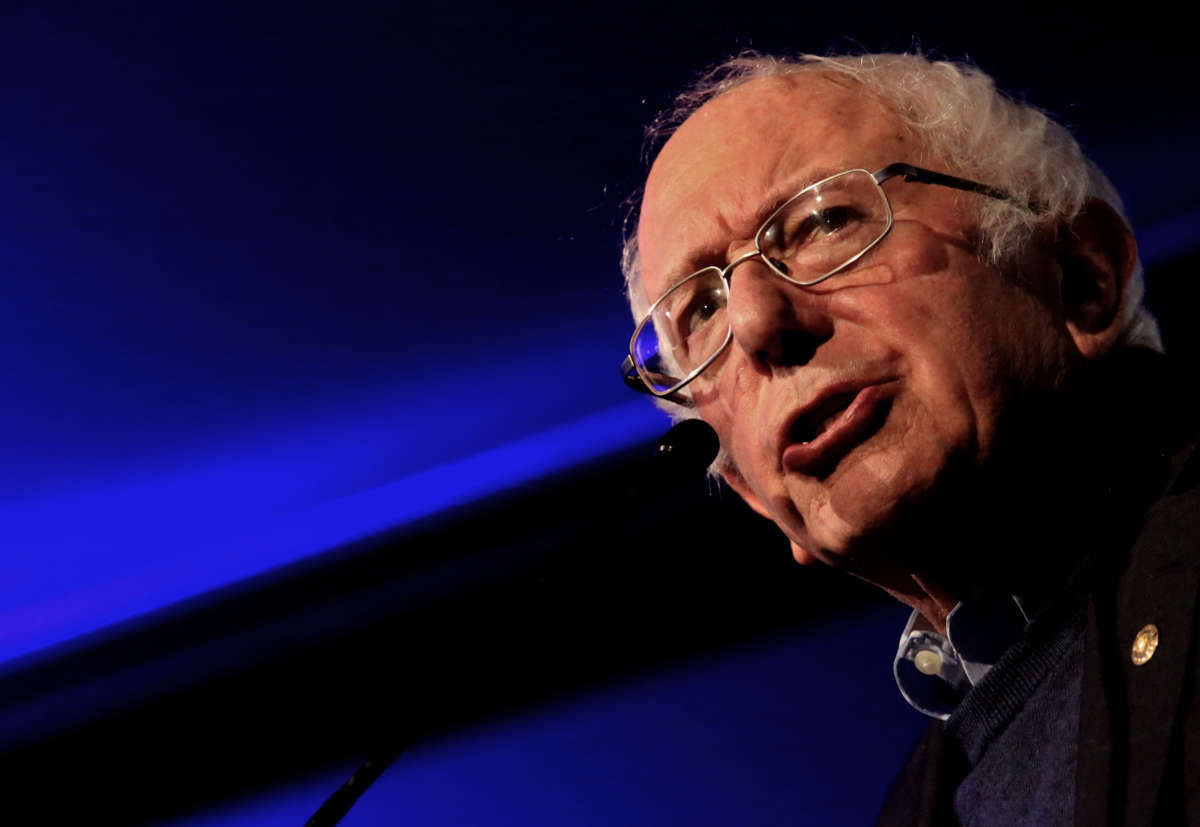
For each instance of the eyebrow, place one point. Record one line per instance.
(697, 258)
(779, 194)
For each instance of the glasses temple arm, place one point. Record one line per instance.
(928, 176)
(634, 381)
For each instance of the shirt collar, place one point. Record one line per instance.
(934, 671)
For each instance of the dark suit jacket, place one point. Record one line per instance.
(1139, 743)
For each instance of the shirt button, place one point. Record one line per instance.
(1144, 644)
(928, 662)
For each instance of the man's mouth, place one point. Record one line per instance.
(819, 437)
(811, 424)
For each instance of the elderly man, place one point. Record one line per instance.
(911, 311)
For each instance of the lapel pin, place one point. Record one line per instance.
(1144, 644)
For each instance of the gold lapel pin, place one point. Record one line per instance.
(1144, 644)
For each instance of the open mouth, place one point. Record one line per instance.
(820, 437)
(812, 424)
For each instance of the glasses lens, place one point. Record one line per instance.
(826, 227)
(686, 328)
(650, 361)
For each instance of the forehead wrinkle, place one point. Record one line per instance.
(719, 207)
(737, 224)
(743, 154)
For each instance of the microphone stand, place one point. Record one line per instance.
(687, 448)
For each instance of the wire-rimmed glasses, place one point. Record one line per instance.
(817, 233)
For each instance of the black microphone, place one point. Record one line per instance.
(688, 448)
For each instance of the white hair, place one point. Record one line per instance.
(966, 127)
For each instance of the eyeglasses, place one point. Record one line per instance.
(819, 232)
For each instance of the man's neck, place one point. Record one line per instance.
(1073, 478)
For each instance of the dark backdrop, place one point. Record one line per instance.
(309, 324)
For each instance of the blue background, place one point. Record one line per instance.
(278, 276)
(261, 258)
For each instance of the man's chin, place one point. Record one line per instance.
(854, 539)
(836, 553)
(802, 556)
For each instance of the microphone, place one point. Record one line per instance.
(688, 448)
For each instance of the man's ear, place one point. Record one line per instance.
(1096, 253)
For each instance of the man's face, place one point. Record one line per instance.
(845, 406)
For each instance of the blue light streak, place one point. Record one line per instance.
(113, 552)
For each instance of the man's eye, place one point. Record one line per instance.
(700, 310)
(698, 319)
(825, 222)
(795, 232)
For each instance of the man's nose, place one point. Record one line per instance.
(774, 321)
